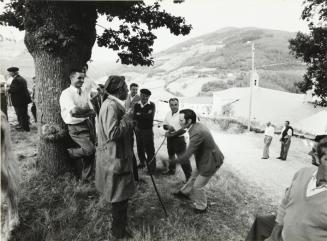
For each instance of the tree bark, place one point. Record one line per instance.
(63, 41)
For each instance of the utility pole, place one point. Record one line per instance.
(251, 88)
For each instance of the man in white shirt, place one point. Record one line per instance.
(285, 139)
(176, 144)
(132, 98)
(75, 112)
(269, 133)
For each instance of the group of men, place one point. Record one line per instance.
(285, 139)
(120, 116)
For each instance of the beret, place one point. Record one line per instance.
(12, 69)
(145, 91)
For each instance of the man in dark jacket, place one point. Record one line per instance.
(20, 98)
(208, 158)
(285, 139)
(143, 114)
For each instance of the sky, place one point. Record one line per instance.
(210, 15)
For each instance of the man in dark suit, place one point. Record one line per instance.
(20, 98)
(285, 139)
(208, 158)
(143, 115)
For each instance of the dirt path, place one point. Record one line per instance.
(243, 155)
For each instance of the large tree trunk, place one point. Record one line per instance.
(62, 41)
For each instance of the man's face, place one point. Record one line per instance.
(77, 80)
(323, 159)
(174, 105)
(134, 90)
(12, 74)
(144, 98)
(123, 92)
(286, 123)
(183, 122)
(268, 124)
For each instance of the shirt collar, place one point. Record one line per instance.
(147, 103)
(75, 89)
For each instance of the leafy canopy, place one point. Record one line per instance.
(133, 40)
(312, 48)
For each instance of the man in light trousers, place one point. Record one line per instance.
(269, 133)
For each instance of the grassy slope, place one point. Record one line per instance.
(64, 209)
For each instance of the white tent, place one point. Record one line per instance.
(315, 124)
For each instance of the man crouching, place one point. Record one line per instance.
(114, 163)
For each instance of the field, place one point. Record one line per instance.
(62, 208)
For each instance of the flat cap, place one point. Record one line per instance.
(113, 83)
(320, 137)
(145, 91)
(12, 69)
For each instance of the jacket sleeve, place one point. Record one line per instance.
(113, 128)
(149, 116)
(195, 141)
(282, 207)
(15, 86)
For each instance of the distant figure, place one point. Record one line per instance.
(208, 158)
(20, 98)
(132, 98)
(269, 133)
(143, 114)
(33, 107)
(176, 144)
(114, 171)
(302, 214)
(285, 139)
(76, 112)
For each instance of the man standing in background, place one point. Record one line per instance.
(132, 98)
(176, 144)
(285, 139)
(20, 98)
(143, 114)
(269, 133)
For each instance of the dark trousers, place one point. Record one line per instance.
(33, 110)
(261, 228)
(4, 104)
(119, 219)
(284, 148)
(135, 171)
(177, 146)
(22, 116)
(82, 154)
(145, 146)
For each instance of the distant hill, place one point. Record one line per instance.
(222, 59)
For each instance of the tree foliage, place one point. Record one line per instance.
(312, 48)
(133, 40)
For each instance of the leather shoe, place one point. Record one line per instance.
(199, 211)
(180, 195)
(264, 157)
(169, 172)
(278, 157)
(141, 166)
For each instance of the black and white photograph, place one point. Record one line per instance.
(163, 120)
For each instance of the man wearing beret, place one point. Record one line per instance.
(114, 164)
(143, 114)
(76, 111)
(20, 98)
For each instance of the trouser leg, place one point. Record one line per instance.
(180, 147)
(140, 146)
(119, 219)
(261, 228)
(25, 117)
(286, 148)
(17, 111)
(149, 149)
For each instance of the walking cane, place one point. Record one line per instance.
(154, 184)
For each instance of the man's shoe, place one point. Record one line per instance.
(199, 211)
(283, 159)
(278, 157)
(264, 157)
(169, 172)
(180, 195)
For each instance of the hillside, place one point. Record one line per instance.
(222, 59)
